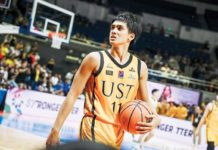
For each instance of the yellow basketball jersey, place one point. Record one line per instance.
(106, 91)
(212, 125)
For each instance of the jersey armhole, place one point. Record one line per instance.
(139, 69)
(101, 64)
(213, 105)
(211, 108)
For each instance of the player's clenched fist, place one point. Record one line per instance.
(53, 138)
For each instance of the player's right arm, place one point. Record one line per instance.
(88, 66)
(208, 109)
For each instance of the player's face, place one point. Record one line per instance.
(197, 109)
(119, 34)
(157, 94)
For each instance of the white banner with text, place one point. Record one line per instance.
(40, 105)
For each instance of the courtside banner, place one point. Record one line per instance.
(40, 105)
(177, 130)
(175, 94)
(171, 129)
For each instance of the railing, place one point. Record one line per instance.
(182, 79)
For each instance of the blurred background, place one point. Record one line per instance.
(179, 44)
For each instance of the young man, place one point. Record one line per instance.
(110, 78)
(154, 98)
(196, 118)
(211, 117)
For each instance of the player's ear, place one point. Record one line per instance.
(131, 36)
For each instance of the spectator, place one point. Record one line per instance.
(12, 83)
(22, 72)
(182, 112)
(4, 49)
(70, 75)
(32, 58)
(51, 64)
(162, 108)
(196, 117)
(158, 59)
(54, 79)
(66, 86)
(165, 68)
(173, 63)
(172, 110)
(197, 71)
(155, 95)
(35, 76)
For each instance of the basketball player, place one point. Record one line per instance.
(110, 78)
(211, 117)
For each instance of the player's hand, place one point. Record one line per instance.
(145, 127)
(53, 138)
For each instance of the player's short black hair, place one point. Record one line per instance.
(154, 90)
(133, 24)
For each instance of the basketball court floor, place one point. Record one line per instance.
(20, 134)
(14, 139)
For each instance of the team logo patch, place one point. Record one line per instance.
(121, 74)
(132, 69)
(131, 76)
(109, 66)
(109, 72)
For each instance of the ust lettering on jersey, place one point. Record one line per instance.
(112, 86)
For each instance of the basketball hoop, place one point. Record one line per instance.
(48, 26)
(56, 42)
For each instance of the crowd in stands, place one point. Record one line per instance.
(170, 109)
(179, 111)
(174, 64)
(20, 68)
(168, 106)
(182, 65)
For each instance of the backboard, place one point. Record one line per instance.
(50, 21)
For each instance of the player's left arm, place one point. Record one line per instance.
(142, 94)
(207, 111)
